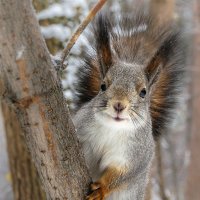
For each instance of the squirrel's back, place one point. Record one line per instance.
(136, 38)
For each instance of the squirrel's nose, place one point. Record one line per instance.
(119, 107)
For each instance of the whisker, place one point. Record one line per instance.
(142, 102)
(135, 122)
(142, 118)
(86, 107)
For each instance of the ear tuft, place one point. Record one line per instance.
(165, 54)
(102, 26)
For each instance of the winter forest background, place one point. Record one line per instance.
(175, 174)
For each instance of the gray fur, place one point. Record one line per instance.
(130, 53)
(139, 144)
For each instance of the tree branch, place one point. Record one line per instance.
(80, 29)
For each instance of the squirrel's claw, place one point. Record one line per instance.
(95, 186)
(97, 192)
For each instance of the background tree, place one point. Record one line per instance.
(193, 186)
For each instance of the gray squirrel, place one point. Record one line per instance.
(127, 91)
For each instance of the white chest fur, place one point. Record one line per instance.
(106, 143)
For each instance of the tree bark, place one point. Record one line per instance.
(29, 85)
(193, 182)
(162, 10)
(25, 180)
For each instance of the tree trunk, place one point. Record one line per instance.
(29, 84)
(162, 10)
(193, 183)
(25, 181)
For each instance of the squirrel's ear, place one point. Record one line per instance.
(153, 69)
(166, 56)
(102, 26)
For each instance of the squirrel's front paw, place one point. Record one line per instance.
(97, 192)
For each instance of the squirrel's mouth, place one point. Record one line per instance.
(118, 119)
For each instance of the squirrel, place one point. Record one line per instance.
(127, 91)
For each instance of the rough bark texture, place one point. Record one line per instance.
(25, 181)
(193, 183)
(29, 84)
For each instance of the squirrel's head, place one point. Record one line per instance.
(126, 76)
(134, 72)
(124, 96)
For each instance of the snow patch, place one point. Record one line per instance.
(67, 9)
(56, 31)
(20, 53)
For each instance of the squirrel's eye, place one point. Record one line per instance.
(143, 93)
(103, 87)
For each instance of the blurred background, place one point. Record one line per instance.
(175, 173)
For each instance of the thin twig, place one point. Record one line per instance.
(79, 30)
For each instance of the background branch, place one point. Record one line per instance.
(80, 29)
